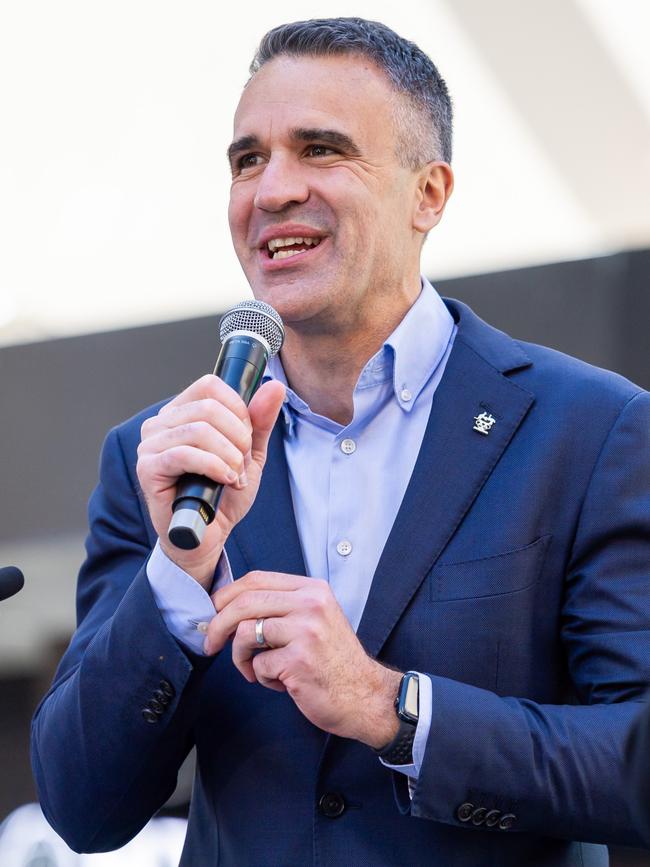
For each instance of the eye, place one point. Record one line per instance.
(317, 150)
(248, 161)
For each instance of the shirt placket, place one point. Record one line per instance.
(344, 542)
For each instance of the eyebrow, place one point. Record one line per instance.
(301, 134)
(327, 136)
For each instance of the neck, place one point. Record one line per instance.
(323, 365)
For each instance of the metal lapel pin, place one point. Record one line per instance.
(483, 423)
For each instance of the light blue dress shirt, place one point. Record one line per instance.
(347, 482)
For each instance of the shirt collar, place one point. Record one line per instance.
(418, 345)
(409, 355)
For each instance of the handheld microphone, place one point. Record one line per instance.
(251, 332)
(11, 581)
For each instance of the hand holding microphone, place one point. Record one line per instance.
(203, 454)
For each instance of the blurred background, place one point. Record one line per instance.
(115, 258)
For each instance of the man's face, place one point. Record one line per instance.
(313, 160)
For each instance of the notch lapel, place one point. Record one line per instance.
(268, 536)
(452, 466)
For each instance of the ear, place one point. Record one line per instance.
(435, 185)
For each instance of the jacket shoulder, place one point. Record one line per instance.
(575, 380)
(540, 369)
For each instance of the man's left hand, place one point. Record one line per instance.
(312, 652)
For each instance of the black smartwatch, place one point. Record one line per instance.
(407, 705)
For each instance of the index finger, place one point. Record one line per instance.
(257, 580)
(210, 386)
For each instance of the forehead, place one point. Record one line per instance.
(347, 92)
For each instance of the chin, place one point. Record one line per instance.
(293, 301)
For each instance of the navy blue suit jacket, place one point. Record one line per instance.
(638, 769)
(517, 574)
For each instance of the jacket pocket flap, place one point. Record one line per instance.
(489, 576)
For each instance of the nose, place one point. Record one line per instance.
(281, 184)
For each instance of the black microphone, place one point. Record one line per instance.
(11, 581)
(251, 332)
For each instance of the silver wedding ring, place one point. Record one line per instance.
(259, 633)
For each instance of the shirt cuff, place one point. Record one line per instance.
(186, 608)
(425, 699)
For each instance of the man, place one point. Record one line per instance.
(473, 516)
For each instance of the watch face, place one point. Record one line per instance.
(409, 698)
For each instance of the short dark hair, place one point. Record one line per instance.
(411, 72)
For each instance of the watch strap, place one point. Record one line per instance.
(400, 750)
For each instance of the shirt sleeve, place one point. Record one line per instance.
(412, 771)
(185, 606)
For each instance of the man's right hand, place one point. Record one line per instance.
(208, 430)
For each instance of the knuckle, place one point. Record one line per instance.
(243, 628)
(311, 630)
(140, 470)
(242, 602)
(245, 442)
(192, 431)
(259, 664)
(207, 380)
(254, 578)
(215, 412)
(209, 407)
(264, 597)
(168, 461)
(145, 428)
(318, 601)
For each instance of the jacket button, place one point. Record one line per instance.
(149, 715)
(160, 696)
(331, 804)
(156, 707)
(478, 815)
(167, 688)
(492, 818)
(507, 821)
(464, 812)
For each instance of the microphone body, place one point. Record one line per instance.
(11, 581)
(241, 364)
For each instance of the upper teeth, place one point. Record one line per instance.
(275, 243)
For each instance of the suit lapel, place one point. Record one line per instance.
(452, 466)
(268, 537)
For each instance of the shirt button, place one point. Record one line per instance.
(344, 548)
(405, 394)
(348, 447)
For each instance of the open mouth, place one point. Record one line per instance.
(284, 248)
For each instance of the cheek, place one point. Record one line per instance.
(239, 208)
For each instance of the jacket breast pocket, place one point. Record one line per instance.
(497, 575)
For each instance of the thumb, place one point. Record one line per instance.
(263, 410)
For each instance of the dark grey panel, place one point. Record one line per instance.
(596, 309)
(60, 397)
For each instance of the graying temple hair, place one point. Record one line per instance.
(423, 118)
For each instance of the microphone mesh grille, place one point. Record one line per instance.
(255, 316)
